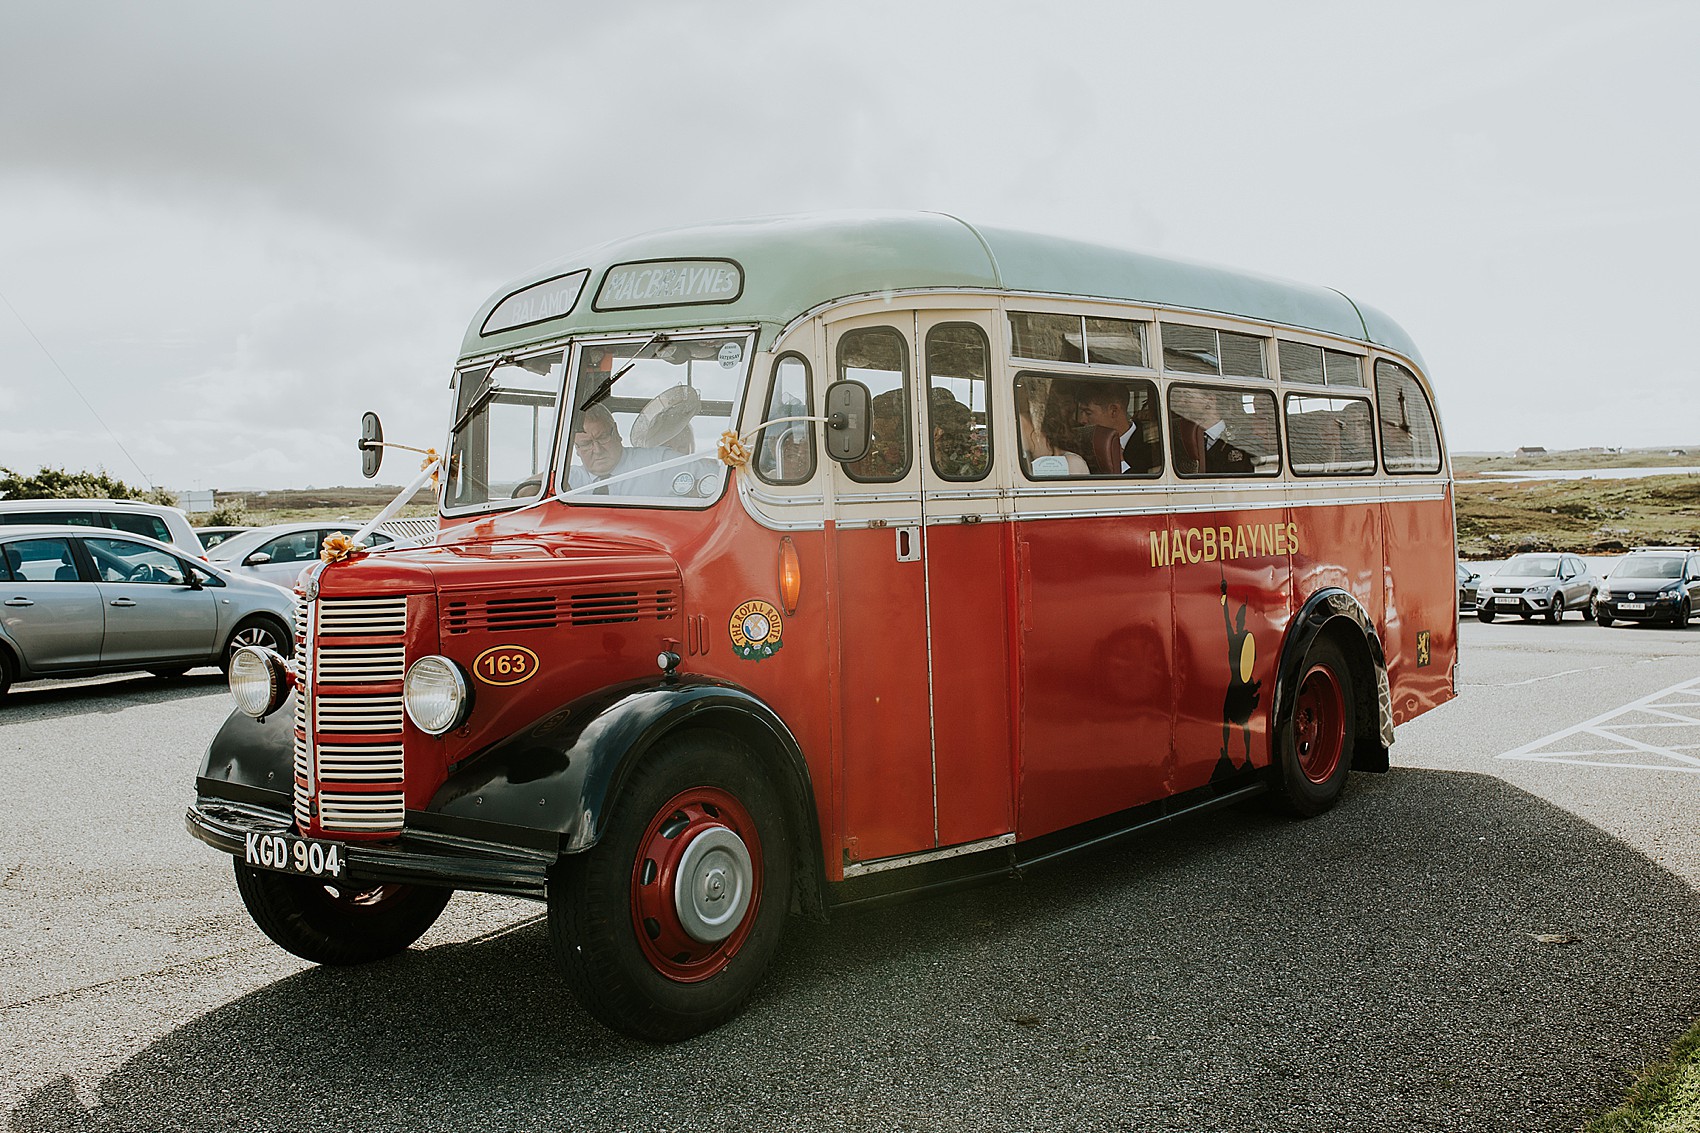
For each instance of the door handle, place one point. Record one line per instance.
(908, 544)
(19, 602)
(122, 602)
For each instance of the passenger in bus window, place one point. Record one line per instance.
(1119, 442)
(958, 452)
(1200, 432)
(888, 454)
(601, 454)
(1044, 458)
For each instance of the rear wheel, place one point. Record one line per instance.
(1316, 741)
(666, 925)
(337, 924)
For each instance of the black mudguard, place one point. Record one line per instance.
(1330, 610)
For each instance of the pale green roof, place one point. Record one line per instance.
(794, 263)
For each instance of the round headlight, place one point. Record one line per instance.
(259, 680)
(435, 695)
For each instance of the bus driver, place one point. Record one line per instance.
(602, 454)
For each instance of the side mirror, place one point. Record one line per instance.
(849, 425)
(258, 558)
(191, 578)
(371, 445)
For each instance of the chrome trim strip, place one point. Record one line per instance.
(860, 869)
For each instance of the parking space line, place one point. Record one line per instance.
(1595, 743)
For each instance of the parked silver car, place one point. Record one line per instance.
(156, 521)
(277, 553)
(76, 601)
(1538, 583)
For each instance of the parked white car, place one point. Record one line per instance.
(156, 521)
(277, 553)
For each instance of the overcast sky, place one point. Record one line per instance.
(233, 227)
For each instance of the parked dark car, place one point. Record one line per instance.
(1652, 584)
(76, 601)
(1468, 580)
(1542, 583)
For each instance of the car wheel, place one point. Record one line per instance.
(7, 674)
(1484, 615)
(337, 924)
(1603, 618)
(257, 630)
(1588, 607)
(1555, 612)
(1315, 744)
(666, 925)
(1683, 613)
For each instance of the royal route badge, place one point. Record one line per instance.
(755, 630)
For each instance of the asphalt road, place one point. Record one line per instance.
(1492, 936)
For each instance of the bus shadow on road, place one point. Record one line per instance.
(1443, 951)
(58, 700)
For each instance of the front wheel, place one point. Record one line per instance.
(666, 925)
(1604, 618)
(1555, 612)
(1588, 607)
(257, 630)
(1484, 616)
(1316, 741)
(337, 924)
(1683, 613)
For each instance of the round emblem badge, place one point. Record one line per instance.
(755, 628)
(730, 355)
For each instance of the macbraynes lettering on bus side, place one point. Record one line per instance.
(791, 564)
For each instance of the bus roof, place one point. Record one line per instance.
(787, 265)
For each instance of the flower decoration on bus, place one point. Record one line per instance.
(756, 628)
(433, 462)
(734, 453)
(338, 547)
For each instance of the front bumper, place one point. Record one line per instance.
(1652, 609)
(415, 858)
(1516, 603)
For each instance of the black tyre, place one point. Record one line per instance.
(1588, 607)
(1484, 616)
(257, 629)
(337, 924)
(1683, 613)
(7, 673)
(662, 960)
(1603, 618)
(1314, 753)
(1555, 612)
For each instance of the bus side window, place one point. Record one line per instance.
(1410, 440)
(785, 454)
(1223, 432)
(874, 356)
(958, 359)
(1329, 436)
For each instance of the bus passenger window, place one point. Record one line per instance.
(1223, 432)
(1329, 436)
(958, 359)
(785, 454)
(1410, 439)
(1088, 427)
(874, 356)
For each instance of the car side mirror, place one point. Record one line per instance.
(849, 427)
(191, 578)
(371, 445)
(258, 558)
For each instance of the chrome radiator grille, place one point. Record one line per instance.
(348, 740)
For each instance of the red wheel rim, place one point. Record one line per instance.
(698, 874)
(1319, 724)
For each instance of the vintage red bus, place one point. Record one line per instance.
(1037, 543)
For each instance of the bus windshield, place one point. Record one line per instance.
(504, 430)
(663, 399)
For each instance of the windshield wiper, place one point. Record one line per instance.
(489, 389)
(602, 390)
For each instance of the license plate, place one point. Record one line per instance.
(1632, 605)
(289, 854)
(1508, 601)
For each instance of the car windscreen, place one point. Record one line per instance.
(1532, 566)
(1649, 567)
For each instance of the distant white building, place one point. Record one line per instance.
(1532, 450)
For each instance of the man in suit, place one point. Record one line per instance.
(1104, 405)
(1201, 446)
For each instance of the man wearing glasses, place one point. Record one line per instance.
(599, 453)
